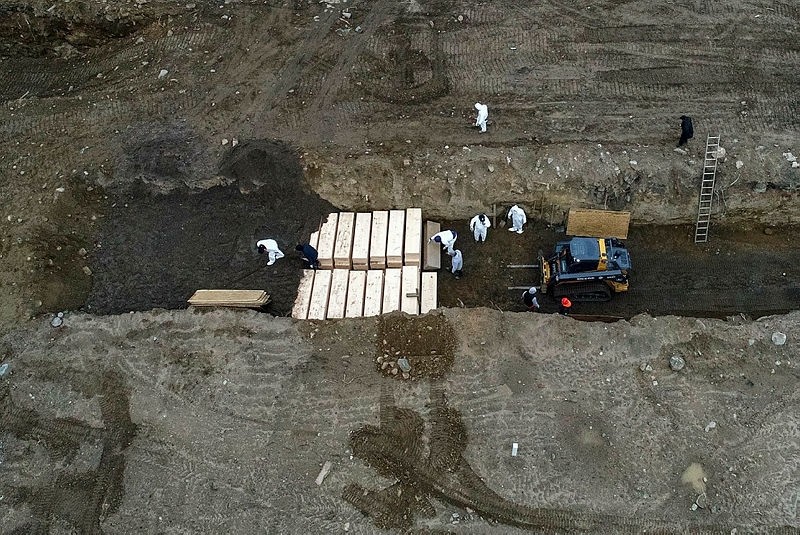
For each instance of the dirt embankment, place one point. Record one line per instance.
(216, 417)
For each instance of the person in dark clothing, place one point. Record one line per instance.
(310, 255)
(687, 130)
(530, 300)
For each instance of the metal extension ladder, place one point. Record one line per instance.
(706, 190)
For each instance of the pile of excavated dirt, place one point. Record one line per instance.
(155, 250)
(189, 421)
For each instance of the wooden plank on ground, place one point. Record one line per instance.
(429, 296)
(355, 294)
(373, 295)
(377, 240)
(361, 235)
(343, 247)
(394, 241)
(598, 223)
(319, 295)
(327, 241)
(409, 298)
(433, 250)
(413, 242)
(303, 300)
(338, 296)
(392, 284)
(229, 298)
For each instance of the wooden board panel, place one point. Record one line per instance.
(373, 295)
(429, 296)
(598, 223)
(355, 294)
(392, 282)
(319, 295)
(303, 301)
(377, 240)
(343, 247)
(433, 250)
(327, 241)
(338, 295)
(394, 241)
(230, 298)
(361, 234)
(412, 255)
(409, 297)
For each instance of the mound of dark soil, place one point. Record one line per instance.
(156, 250)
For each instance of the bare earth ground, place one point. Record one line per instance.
(220, 422)
(145, 146)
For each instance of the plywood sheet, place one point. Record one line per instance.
(327, 241)
(392, 283)
(343, 247)
(412, 255)
(429, 296)
(409, 297)
(598, 223)
(229, 298)
(303, 300)
(395, 239)
(361, 234)
(377, 240)
(433, 250)
(355, 294)
(373, 295)
(319, 295)
(338, 296)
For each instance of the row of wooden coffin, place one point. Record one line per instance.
(370, 240)
(341, 293)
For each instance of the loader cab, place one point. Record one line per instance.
(581, 255)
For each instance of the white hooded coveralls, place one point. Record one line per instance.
(479, 227)
(518, 218)
(483, 115)
(458, 261)
(272, 249)
(447, 238)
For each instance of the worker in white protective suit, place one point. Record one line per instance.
(447, 238)
(483, 116)
(457, 268)
(271, 248)
(479, 225)
(518, 219)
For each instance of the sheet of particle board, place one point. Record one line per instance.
(229, 298)
(392, 282)
(343, 247)
(409, 297)
(598, 223)
(377, 240)
(433, 250)
(361, 235)
(303, 301)
(373, 295)
(394, 241)
(429, 297)
(355, 294)
(413, 240)
(338, 296)
(327, 241)
(319, 295)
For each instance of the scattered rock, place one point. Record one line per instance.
(769, 231)
(760, 187)
(395, 371)
(778, 338)
(677, 363)
(82, 252)
(56, 322)
(384, 365)
(701, 501)
(491, 168)
(720, 153)
(87, 270)
(680, 151)
(645, 367)
(406, 376)
(162, 73)
(3, 369)
(711, 425)
(404, 365)
(225, 141)
(739, 164)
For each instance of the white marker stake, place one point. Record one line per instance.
(514, 448)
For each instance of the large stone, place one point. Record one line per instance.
(677, 363)
(778, 338)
